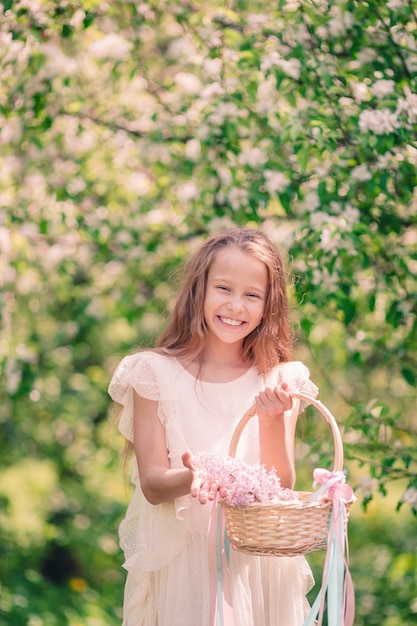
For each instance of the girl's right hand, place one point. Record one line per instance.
(201, 488)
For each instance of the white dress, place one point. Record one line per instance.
(165, 545)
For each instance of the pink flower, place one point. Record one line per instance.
(243, 484)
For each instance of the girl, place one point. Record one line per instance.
(226, 346)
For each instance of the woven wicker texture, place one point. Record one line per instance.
(286, 528)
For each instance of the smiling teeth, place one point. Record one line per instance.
(227, 320)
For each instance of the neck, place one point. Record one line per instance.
(220, 354)
(218, 363)
(220, 367)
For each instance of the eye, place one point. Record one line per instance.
(222, 288)
(253, 295)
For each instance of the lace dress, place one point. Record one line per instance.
(165, 545)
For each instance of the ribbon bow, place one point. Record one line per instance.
(336, 581)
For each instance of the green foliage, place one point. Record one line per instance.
(128, 131)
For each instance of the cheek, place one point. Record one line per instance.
(207, 308)
(258, 313)
(262, 307)
(262, 314)
(211, 300)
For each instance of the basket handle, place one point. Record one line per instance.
(301, 395)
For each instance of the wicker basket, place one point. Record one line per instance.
(286, 528)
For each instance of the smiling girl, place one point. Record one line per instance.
(226, 345)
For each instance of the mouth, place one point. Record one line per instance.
(231, 322)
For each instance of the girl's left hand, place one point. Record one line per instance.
(202, 488)
(273, 401)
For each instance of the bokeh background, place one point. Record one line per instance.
(128, 132)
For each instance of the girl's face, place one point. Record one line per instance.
(237, 287)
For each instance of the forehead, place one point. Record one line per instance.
(233, 263)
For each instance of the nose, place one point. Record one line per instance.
(235, 303)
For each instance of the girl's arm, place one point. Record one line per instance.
(159, 482)
(277, 433)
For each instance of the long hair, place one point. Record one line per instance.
(270, 342)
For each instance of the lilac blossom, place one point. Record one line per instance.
(242, 484)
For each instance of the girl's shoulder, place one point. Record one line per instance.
(294, 367)
(295, 374)
(147, 371)
(147, 359)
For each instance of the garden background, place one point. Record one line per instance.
(129, 131)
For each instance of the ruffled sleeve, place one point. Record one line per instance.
(150, 535)
(297, 377)
(146, 373)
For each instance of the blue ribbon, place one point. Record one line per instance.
(219, 620)
(222, 559)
